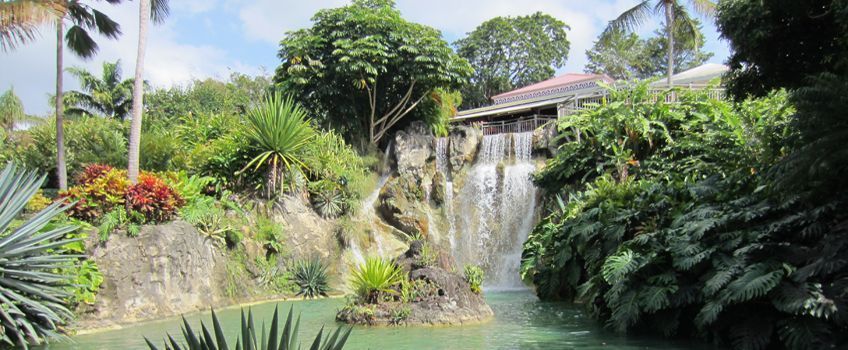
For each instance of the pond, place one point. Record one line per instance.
(521, 322)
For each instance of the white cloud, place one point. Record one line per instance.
(268, 20)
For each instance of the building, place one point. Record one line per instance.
(532, 106)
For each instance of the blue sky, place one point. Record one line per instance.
(211, 38)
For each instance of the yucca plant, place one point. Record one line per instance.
(277, 338)
(311, 276)
(278, 130)
(32, 294)
(375, 278)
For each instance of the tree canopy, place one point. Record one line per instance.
(623, 55)
(779, 43)
(107, 95)
(512, 52)
(362, 68)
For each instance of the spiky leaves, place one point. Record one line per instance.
(278, 130)
(375, 278)
(277, 338)
(32, 294)
(311, 276)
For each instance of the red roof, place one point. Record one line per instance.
(565, 79)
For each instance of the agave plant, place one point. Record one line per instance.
(32, 294)
(278, 130)
(275, 339)
(375, 278)
(311, 276)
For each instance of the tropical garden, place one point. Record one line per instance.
(718, 220)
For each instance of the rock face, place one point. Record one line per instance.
(167, 270)
(307, 233)
(413, 148)
(444, 298)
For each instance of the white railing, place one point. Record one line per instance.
(513, 126)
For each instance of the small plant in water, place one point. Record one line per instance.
(311, 276)
(474, 276)
(375, 278)
(284, 338)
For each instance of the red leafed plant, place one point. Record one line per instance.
(153, 198)
(100, 189)
(93, 172)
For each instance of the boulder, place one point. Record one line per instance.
(398, 205)
(464, 141)
(413, 148)
(168, 269)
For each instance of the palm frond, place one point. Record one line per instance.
(80, 43)
(20, 20)
(705, 8)
(631, 19)
(159, 10)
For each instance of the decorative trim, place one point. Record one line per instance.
(549, 91)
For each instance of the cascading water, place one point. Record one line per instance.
(443, 167)
(498, 204)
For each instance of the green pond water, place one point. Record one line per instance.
(521, 322)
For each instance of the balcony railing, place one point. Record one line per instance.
(525, 124)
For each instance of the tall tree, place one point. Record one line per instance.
(676, 18)
(512, 52)
(82, 18)
(623, 55)
(107, 95)
(156, 10)
(377, 69)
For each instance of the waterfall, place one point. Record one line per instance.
(497, 208)
(370, 214)
(443, 167)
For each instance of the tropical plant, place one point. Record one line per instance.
(105, 96)
(676, 19)
(156, 10)
(82, 18)
(34, 294)
(19, 20)
(311, 276)
(88, 141)
(270, 234)
(206, 214)
(383, 68)
(508, 53)
(279, 337)
(375, 279)
(190, 187)
(12, 111)
(327, 198)
(101, 189)
(153, 199)
(474, 275)
(278, 130)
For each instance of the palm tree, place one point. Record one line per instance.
(11, 110)
(82, 18)
(675, 14)
(20, 20)
(156, 10)
(106, 95)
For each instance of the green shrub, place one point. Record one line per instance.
(160, 151)
(399, 314)
(35, 295)
(88, 140)
(206, 214)
(311, 276)
(474, 275)
(428, 256)
(284, 335)
(190, 188)
(375, 279)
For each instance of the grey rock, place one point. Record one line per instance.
(413, 147)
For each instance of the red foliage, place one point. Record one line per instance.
(92, 172)
(153, 198)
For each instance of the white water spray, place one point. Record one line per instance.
(498, 205)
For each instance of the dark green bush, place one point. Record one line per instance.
(311, 276)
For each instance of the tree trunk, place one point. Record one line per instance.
(138, 92)
(669, 20)
(61, 168)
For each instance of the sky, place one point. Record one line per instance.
(212, 38)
